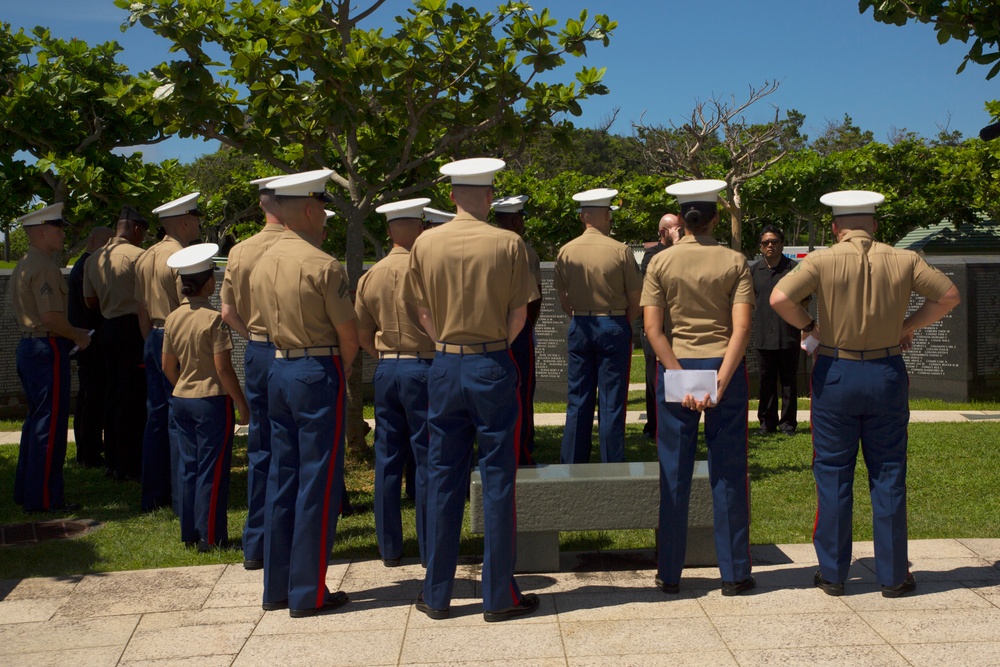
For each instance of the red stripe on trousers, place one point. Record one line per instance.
(53, 420)
(812, 439)
(517, 447)
(324, 554)
(217, 475)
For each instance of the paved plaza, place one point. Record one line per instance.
(211, 615)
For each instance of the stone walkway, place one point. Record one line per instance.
(211, 615)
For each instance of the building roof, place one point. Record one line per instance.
(944, 239)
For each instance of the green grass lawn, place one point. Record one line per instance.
(954, 470)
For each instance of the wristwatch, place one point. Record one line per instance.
(809, 327)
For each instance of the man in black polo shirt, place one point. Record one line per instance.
(777, 342)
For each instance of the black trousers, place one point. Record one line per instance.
(649, 427)
(88, 415)
(125, 395)
(778, 377)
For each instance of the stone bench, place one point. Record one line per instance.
(595, 496)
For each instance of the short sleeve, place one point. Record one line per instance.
(633, 276)
(89, 291)
(523, 287)
(801, 281)
(929, 282)
(337, 294)
(226, 293)
(413, 284)
(221, 340)
(168, 346)
(743, 291)
(361, 308)
(653, 292)
(48, 288)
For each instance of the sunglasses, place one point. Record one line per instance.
(770, 242)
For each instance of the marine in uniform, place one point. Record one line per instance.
(158, 291)
(239, 311)
(776, 341)
(599, 285)
(436, 217)
(509, 213)
(88, 417)
(198, 364)
(697, 302)
(304, 297)
(38, 295)
(668, 232)
(110, 285)
(860, 389)
(471, 285)
(389, 330)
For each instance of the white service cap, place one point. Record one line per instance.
(436, 216)
(407, 208)
(473, 171)
(702, 190)
(852, 202)
(329, 213)
(597, 198)
(306, 184)
(264, 183)
(186, 205)
(51, 213)
(511, 204)
(579, 209)
(194, 259)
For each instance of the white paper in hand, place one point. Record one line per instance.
(810, 344)
(678, 384)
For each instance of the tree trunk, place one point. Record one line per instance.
(355, 257)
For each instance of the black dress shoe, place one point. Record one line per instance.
(333, 601)
(737, 587)
(392, 562)
(529, 603)
(253, 564)
(275, 606)
(908, 586)
(669, 589)
(828, 587)
(436, 614)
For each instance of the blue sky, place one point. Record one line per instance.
(665, 55)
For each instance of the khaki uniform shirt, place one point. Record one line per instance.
(37, 286)
(534, 264)
(470, 275)
(380, 307)
(195, 333)
(235, 290)
(697, 282)
(157, 285)
(597, 272)
(109, 276)
(302, 293)
(862, 290)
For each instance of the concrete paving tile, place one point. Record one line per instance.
(66, 634)
(978, 654)
(142, 592)
(565, 582)
(195, 661)
(632, 579)
(188, 641)
(952, 569)
(470, 612)
(485, 642)
(763, 600)
(935, 626)
(345, 649)
(783, 554)
(403, 589)
(929, 595)
(200, 618)
(681, 659)
(374, 569)
(920, 549)
(988, 590)
(100, 656)
(635, 636)
(988, 548)
(29, 610)
(39, 587)
(795, 630)
(357, 615)
(626, 604)
(237, 587)
(823, 656)
(542, 662)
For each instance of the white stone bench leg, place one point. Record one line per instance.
(538, 551)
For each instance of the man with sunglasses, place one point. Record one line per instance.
(38, 293)
(158, 290)
(777, 342)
